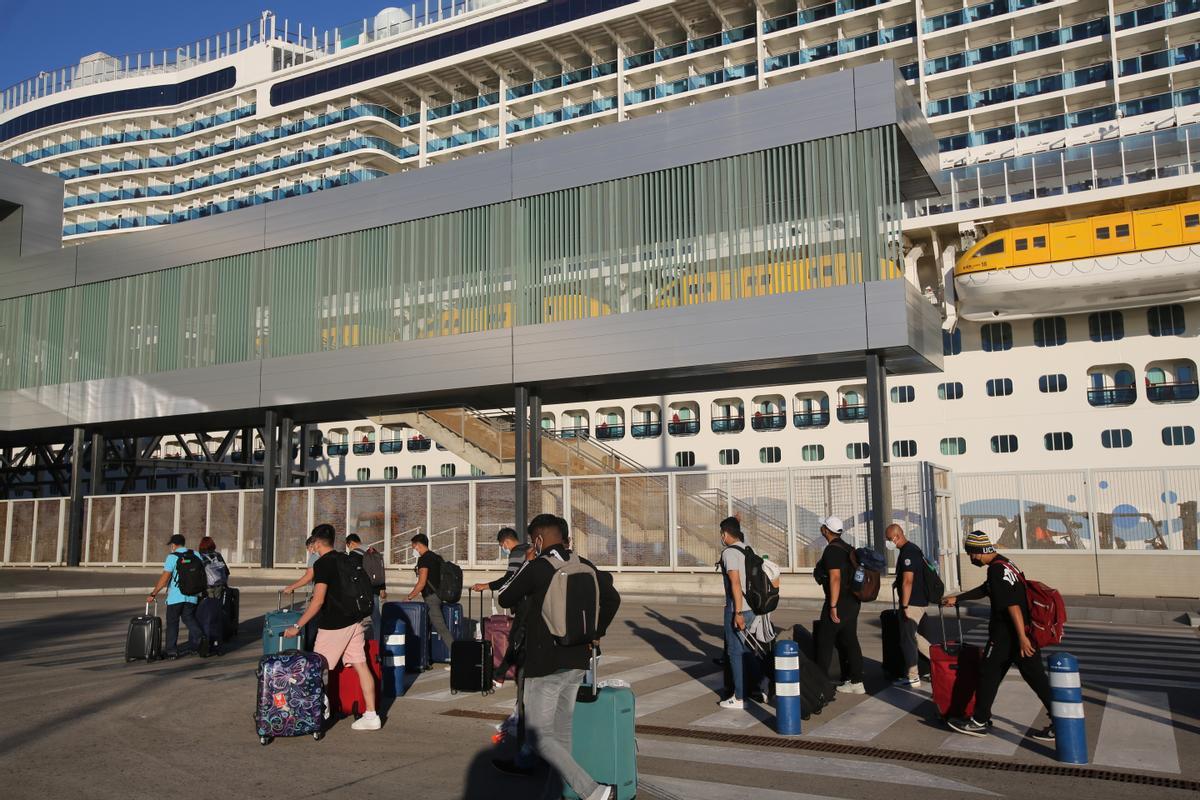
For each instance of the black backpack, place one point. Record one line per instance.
(372, 561)
(190, 576)
(761, 595)
(934, 587)
(357, 596)
(450, 582)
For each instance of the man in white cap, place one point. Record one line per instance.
(839, 614)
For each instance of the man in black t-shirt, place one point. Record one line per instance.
(429, 575)
(339, 631)
(1008, 643)
(839, 614)
(910, 591)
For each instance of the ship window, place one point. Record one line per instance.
(1106, 326)
(992, 248)
(1177, 435)
(1049, 332)
(685, 458)
(448, 470)
(1039, 241)
(1052, 383)
(364, 474)
(391, 473)
(770, 455)
(1102, 233)
(1059, 440)
(418, 471)
(902, 394)
(904, 448)
(1165, 320)
(953, 446)
(951, 342)
(950, 391)
(1005, 443)
(729, 458)
(858, 451)
(813, 452)
(996, 336)
(1022, 244)
(1121, 231)
(999, 387)
(1116, 438)
(1191, 220)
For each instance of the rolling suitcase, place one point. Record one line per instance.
(471, 662)
(145, 637)
(231, 600)
(602, 737)
(416, 645)
(893, 656)
(497, 630)
(209, 616)
(275, 623)
(954, 672)
(291, 695)
(816, 690)
(345, 689)
(452, 613)
(393, 640)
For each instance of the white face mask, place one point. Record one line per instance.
(416, 553)
(889, 544)
(537, 546)
(505, 552)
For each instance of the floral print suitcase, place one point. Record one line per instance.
(291, 695)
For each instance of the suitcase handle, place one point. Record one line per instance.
(957, 616)
(155, 608)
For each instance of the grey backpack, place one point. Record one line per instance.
(571, 608)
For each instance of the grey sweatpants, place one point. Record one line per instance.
(437, 620)
(549, 713)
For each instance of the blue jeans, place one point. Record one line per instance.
(741, 660)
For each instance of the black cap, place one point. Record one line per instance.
(176, 541)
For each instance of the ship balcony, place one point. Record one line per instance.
(768, 422)
(314, 451)
(1112, 396)
(810, 419)
(856, 413)
(260, 455)
(728, 424)
(576, 432)
(610, 431)
(685, 427)
(1176, 392)
(391, 446)
(647, 430)
(364, 448)
(419, 444)
(335, 450)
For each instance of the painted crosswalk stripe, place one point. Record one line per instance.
(1093, 678)
(1015, 710)
(680, 789)
(874, 715)
(799, 764)
(631, 676)
(733, 719)
(679, 693)
(1136, 732)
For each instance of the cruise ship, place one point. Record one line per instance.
(1064, 257)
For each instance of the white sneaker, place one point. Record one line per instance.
(732, 702)
(603, 792)
(907, 683)
(852, 688)
(367, 722)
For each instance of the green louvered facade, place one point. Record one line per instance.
(789, 219)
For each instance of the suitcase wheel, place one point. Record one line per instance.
(265, 740)
(319, 735)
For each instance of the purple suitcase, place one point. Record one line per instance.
(291, 695)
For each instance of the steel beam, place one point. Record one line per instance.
(267, 545)
(521, 467)
(877, 434)
(75, 527)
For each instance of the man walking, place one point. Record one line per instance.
(373, 566)
(180, 605)
(910, 589)
(839, 614)
(339, 629)
(1008, 643)
(554, 672)
(429, 574)
(514, 550)
(738, 616)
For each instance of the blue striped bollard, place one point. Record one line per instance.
(392, 651)
(787, 688)
(1066, 710)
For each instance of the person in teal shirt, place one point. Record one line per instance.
(179, 606)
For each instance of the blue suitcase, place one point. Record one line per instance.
(453, 614)
(416, 649)
(602, 738)
(277, 621)
(393, 642)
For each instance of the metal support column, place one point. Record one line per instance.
(96, 481)
(535, 434)
(270, 477)
(286, 439)
(75, 532)
(521, 466)
(305, 452)
(877, 431)
(246, 479)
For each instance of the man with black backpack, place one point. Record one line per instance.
(341, 599)
(570, 606)
(184, 571)
(742, 572)
(372, 564)
(839, 615)
(430, 568)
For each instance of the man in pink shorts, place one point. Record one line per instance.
(339, 632)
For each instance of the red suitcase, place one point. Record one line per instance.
(954, 671)
(345, 691)
(497, 629)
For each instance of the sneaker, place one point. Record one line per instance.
(170, 656)
(603, 792)
(367, 722)
(511, 767)
(733, 703)
(1046, 734)
(205, 647)
(760, 697)
(969, 726)
(907, 683)
(851, 687)
(497, 684)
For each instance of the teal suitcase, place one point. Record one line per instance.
(602, 739)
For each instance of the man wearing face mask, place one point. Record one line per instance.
(839, 614)
(1008, 644)
(429, 574)
(514, 550)
(910, 589)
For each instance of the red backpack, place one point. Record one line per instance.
(1047, 612)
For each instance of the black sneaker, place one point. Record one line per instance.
(204, 647)
(1046, 734)
(969, 726)
(170, 656)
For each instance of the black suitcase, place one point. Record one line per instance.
(145, 638)
(231, 606)
(893, 656)
(816, 690)
(471, 664)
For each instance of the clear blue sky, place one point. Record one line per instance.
(37, 35)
